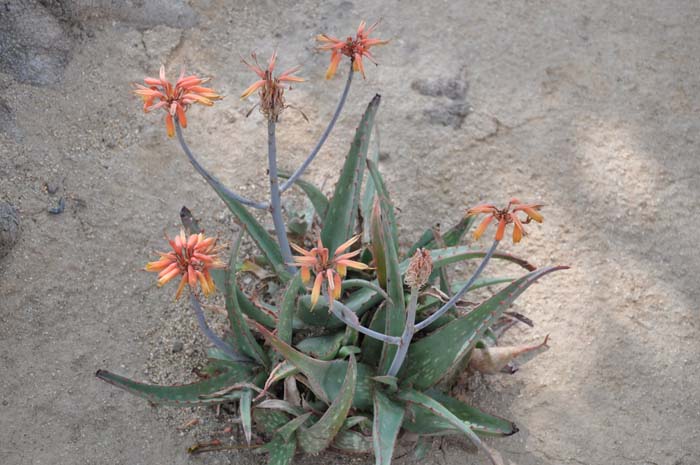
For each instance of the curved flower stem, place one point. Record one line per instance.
(348, 317)
(214, 182)
(407, 335)
(219, 343)
(352, 283)
(275, 206)
(290, 181)
(450, 303)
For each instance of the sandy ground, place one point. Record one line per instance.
(592, 107)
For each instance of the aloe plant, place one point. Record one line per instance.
(367, 351)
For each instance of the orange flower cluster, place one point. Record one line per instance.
(192, 258)
(271, 88)
(506, 216)
(333, 270)
(174, 99)
(354, 48)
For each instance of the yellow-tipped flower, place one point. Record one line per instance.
(507, 216)
(192, 258)
(354, 48)
(317, 260)
(174, 99)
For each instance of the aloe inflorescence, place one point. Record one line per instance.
(366, 338)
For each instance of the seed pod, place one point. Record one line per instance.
(419, 269)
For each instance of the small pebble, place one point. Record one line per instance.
(178, 346)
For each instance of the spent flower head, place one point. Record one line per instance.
(332, 270)
(419, 269)
(192, 258)
(506, 216)
(354, 48)
(174, 99)
(271, 88)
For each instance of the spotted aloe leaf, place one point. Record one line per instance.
(281, 452)
(270, 420)
(287, 307)
(359, 302)
(287, 431)
(253, 312)
(372, 348)
(242, 339)
(257, 232)
(385, 202)
(199, 393)
(421, 400)
(383, 242)
(317, 198)
(433, 357)
(388, 417)
(422, 421)
(342, 210)
(319, 436)
(451, 238)
(325, 378)
(352, 442)
(449, 255)
(370, 191)
(322, 347)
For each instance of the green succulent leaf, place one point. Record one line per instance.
(319, 436)
(340, 220)
(388, 417)
(289, 303)
(281, 452)
(287, 431)
(352, 442)
(325, 378)
(433, 357)
(378, 244)
(449, 255)
(257, 232)
(244, 406)
(199, 393)
(424, 422)
(370, 191)
(426, 402)
(282, 406)
(385, 201)
(423, 446)
(372, 348)
(359, 302)
(252, 311)
(317, 198)
(451, 238)
(243, 340)
(322, 347)
(270, 420)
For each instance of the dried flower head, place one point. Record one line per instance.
(192, 258)
(271, 88)
(354, 48)
(332, 270)
(507, 216)
(419, 269)
(174, 99)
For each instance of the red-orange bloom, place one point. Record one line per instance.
(174, 99)
(332, 270)
(271, 87)
(354, 48)
(192, 258)
(507, 216)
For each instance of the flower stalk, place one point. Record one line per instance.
(275, 203)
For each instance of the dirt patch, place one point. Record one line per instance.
(591, 108)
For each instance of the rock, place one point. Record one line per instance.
(441, 87)
(9, 227)
(34, 45)
(178, 346)
(451, 114)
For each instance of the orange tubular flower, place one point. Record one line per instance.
(160, 93)
(354, 48)
(271, 88)
(332, 271)
(192, 258)
(507, 216)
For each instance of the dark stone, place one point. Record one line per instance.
(9, 227)
(452, 114)
(441, 87)
(178, 346)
